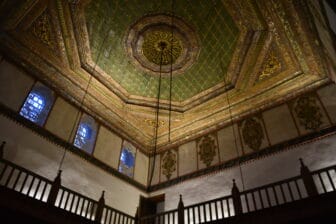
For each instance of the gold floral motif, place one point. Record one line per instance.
(308, 112)
(152, 123)
(271, 66)
(169, 163)
(161, 47)
(207, 150)
(253, 134)
(41, 28)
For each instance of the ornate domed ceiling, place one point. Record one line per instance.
(246, 53)
(205, 36)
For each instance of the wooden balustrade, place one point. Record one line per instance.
(2, 146)
(113, 216)
(40, 188)
(24, 181)
(307, 184)
(161, 218)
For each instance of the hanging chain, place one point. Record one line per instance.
(83, 99)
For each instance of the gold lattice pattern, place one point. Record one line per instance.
(163, 44)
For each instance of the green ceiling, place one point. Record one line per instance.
(110, 20)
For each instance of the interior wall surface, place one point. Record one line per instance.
(263, 132)
(30, 150)
(317, 154)
(27, 149)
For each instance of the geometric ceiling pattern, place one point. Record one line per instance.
(256, 54)
(107, 25)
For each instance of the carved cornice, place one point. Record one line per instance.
(261, 24)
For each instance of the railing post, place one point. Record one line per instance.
(180, 211)
(136, 217)
(237, 205)
(54, 189)
(100, 208)
(308, 180)
(2, 146)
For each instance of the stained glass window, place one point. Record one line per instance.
(86, 134)
(127, 159)
(37, 104)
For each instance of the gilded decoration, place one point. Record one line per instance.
(308, 112)
(271, 66)
(169, 163)
(208, 35)
(41, 28)
(162, 47)
(153, 36)
(223, 36)
(152, 123)
(207, 149)
(252, 132)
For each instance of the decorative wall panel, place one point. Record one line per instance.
(12, 80)
(62, 119)
(253, 134)
(280, 124)
(141, 168)
(207, 150)
(309, 113)
(169, 165)
(229, 143)
(187, 158)
(154, 173)
(108, 146)
(327, 95)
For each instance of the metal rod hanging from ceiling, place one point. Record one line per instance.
(156, 129)
(86, 89)
(171, 71)
(233, 129)
(159, 93)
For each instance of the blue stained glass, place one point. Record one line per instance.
(86, 133)
(127, 158)
(127, 161)
(83, 135)
(38, 104)
(33, 107)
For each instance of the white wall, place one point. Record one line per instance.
(282, 165)
(37, 154)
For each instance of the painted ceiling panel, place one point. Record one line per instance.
(265, 51)
(108, 23)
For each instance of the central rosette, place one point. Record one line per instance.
(164, 40)
(161, 47)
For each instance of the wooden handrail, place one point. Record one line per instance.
(265, 196)
(42, 188)
(158, 214)
(295, 188)
(210, 201)
(25, 170)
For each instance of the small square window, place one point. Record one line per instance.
(127, 159)
(86, 134)
(37, 104)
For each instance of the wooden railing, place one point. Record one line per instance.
(113, 216)
(40, 188)
(307, 184)
(24, 181)
(163, 217)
